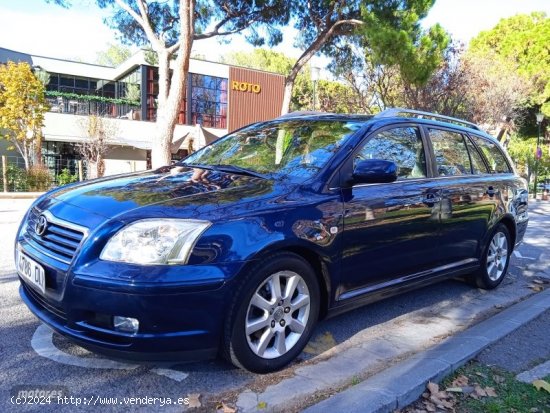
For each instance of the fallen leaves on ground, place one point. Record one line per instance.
(225, 408)
(498, 379)
(480, 392)
(460, 381)
(194, 400)
(436, 398)
(537, 288)
(320, 344)
(542, 384)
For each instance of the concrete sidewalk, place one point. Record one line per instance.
(372, 353)
(403, 383)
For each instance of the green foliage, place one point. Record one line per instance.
(133, 94)
(392, 35)
(43, 76)
(261, 59)
(92, 98)
(331, 96)
(17, 179)
(151, 57)
(65, 177)
(511, 394)
(261, 20)
(522, 43)
(36, 179)
(522, 150)
(113, 55)
(22, 107)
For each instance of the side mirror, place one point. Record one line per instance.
(374, 171)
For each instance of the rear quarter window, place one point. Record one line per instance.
(494, 156)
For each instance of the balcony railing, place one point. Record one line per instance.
(76, 106)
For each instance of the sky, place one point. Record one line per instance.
(35, 27)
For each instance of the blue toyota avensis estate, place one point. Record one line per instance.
(243, 246)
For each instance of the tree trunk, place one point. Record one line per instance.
(26, 156)
(100, 165)
(171, 91)
(313, 48)
(91, 172)
(160, 150)
(289, 86)
(37, 153)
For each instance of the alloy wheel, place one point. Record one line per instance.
(497, 256)
(277, 314)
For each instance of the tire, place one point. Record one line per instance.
(265, 329)
(495, 260)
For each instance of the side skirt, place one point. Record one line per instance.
(363, 296)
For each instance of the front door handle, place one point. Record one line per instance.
(431, 199)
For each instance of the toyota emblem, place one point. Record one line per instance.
(41, 225)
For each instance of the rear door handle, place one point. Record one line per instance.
(431, 199)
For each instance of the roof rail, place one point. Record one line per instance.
(303, 113)
(420, 114)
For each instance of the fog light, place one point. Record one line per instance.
(126, 324)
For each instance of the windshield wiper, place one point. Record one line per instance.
(239, 170)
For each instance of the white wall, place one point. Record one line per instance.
(120, 159)
(72, 128)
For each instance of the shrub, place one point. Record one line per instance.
(65, 177)
(17, 179)
(38, 178)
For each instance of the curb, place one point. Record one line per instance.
(403, 383)
(20, 195)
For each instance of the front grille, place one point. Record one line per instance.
(60, 240)
(42, 303)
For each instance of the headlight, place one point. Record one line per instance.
(155, 241)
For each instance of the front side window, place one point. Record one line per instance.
(403, 146)
(451, 155)
(296, 149)
(493, 154)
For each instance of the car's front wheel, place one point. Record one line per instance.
(273, 314)
(495, 259)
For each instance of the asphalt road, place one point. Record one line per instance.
(522, 350)
(31, 356)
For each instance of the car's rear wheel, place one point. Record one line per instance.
(273, 314)
(495, 259)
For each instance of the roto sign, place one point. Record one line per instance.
(245, 87)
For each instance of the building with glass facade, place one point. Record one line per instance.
(220, 98)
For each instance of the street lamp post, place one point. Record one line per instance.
(315, 71)
(538, 154)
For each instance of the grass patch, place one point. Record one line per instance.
(511, 395)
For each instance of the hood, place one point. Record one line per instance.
(174, 191)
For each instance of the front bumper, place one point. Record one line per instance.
(178, 321)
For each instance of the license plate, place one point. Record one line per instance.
(31, 271)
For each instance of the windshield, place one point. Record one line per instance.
(296, 148)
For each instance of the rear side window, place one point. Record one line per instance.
(450, 152)
(493, 154)
(478, 166)
(403, 146)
